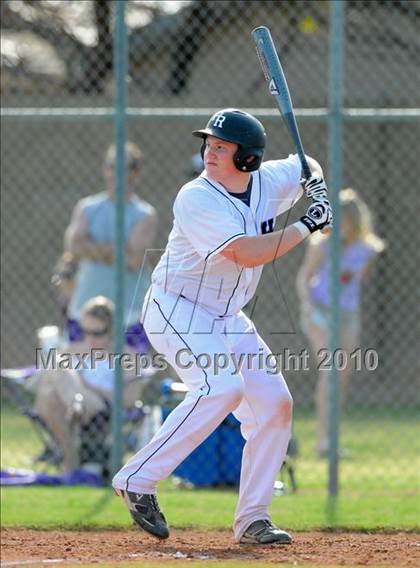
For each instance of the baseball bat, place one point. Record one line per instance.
(277, 86)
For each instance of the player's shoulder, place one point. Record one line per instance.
(197, 191)
(292, 162)
(195, 198)
(196, 184)
(281, 175)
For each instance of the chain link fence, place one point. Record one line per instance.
(187, 59)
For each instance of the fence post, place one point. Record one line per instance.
(336, 42)
(120, 73)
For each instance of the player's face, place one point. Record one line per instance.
(218, 157)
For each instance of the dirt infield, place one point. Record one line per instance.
(31, 547)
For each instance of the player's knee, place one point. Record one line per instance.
(235, 391)
(286, 408)
(281, 409)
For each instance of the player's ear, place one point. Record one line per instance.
(248, 159)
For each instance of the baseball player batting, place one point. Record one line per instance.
(222, 235)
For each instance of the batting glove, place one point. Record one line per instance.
(318, 216)
(316, 188)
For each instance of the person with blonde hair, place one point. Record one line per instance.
(359, 249)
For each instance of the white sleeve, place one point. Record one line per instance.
(204, 221)
(283, 180)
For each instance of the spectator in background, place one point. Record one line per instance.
(83, 391)
(359, 248)
(90, 240)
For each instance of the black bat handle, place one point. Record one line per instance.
(305, 167)
(291, 123)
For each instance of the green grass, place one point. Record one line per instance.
(379, 484)
(19, 441)
(383, 447)
(82, 507)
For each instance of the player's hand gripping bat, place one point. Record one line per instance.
(277, 86)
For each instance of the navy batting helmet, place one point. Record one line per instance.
(237, 126)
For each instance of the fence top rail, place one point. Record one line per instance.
(316, 114)
(350, 114)
(144, 113)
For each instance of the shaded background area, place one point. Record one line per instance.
(200, 55)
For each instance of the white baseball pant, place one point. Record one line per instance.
(260, 400)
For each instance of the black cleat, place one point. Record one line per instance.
(145, 512)
(264, 532)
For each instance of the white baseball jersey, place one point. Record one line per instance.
(206, 220)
